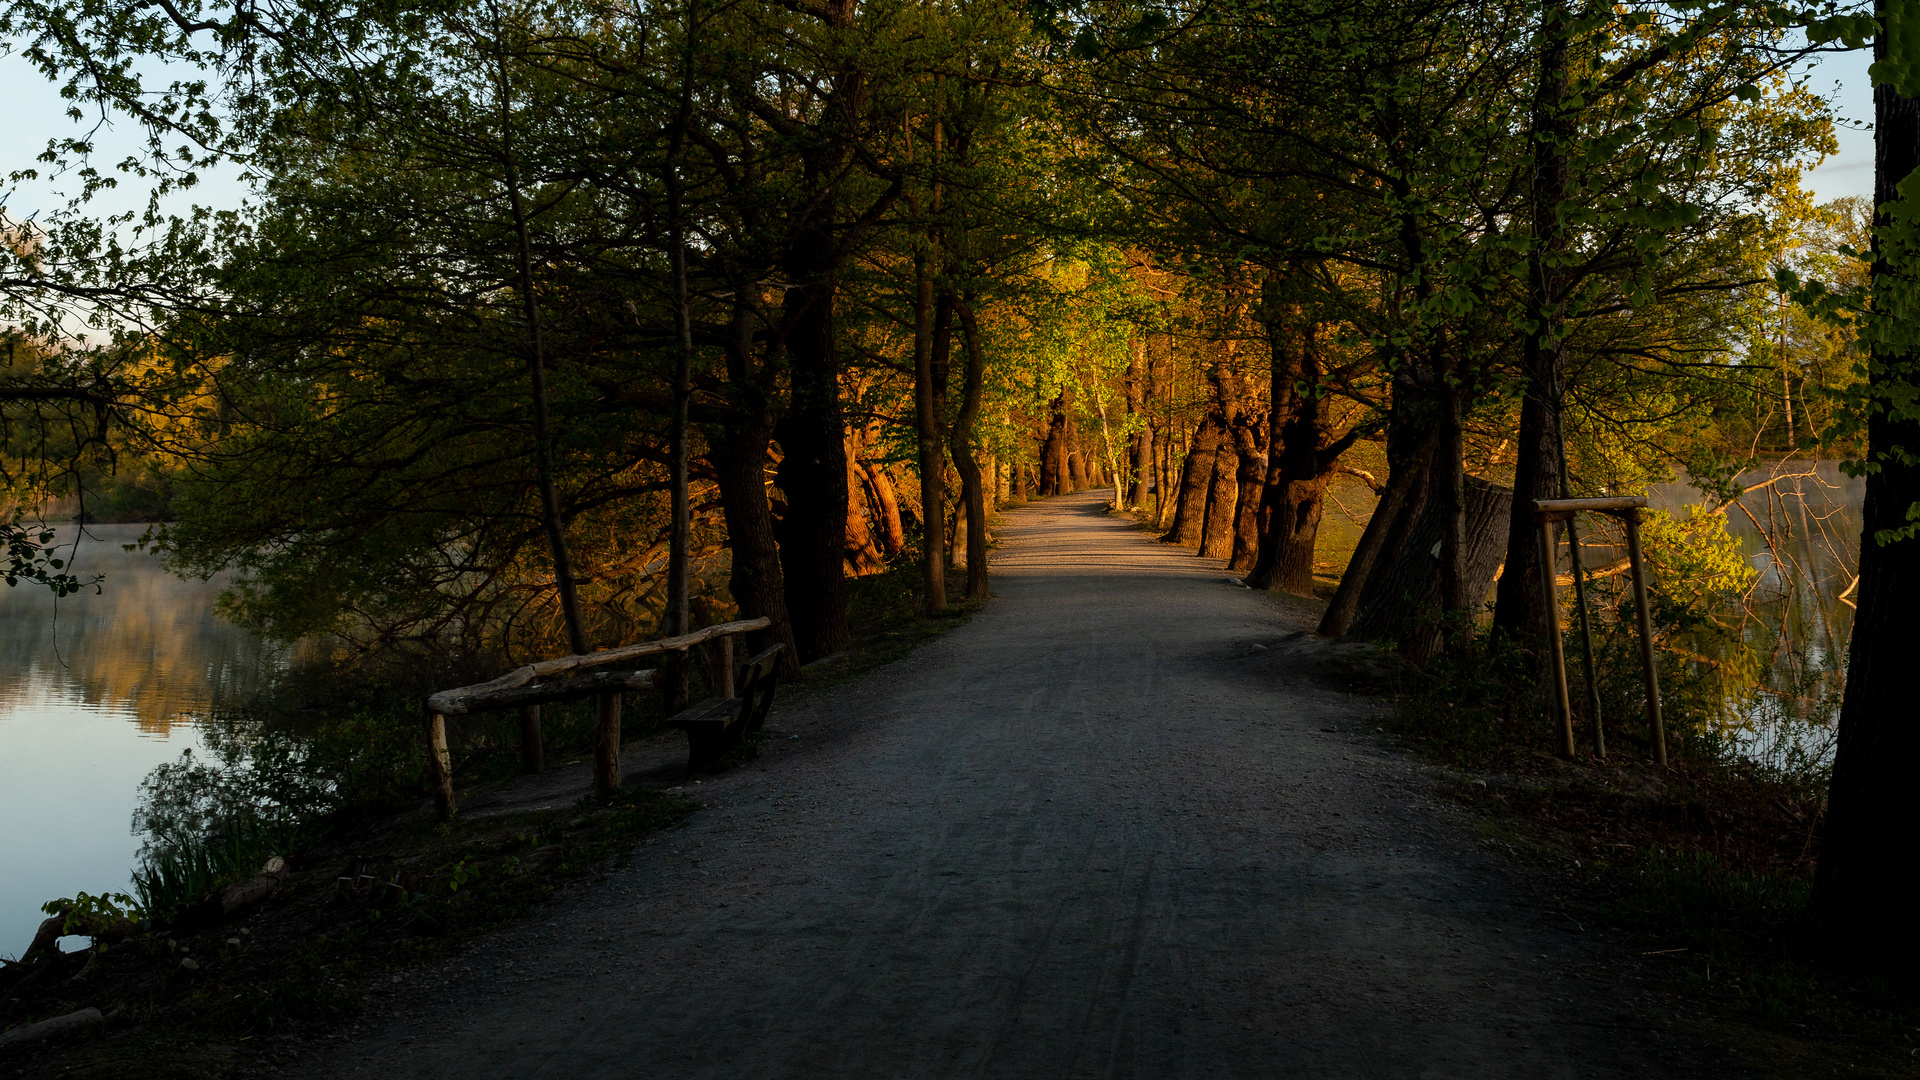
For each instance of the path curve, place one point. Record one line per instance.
(1086, 834)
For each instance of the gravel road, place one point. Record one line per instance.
(1094, 832)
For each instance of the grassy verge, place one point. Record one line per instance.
(1707, 867)
(185, 1000)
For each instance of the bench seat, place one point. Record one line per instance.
(718, 724)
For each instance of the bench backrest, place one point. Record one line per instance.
(762, 675)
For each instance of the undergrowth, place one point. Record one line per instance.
(1708, 864)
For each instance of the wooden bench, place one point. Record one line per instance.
(521, 689)
(718, 724)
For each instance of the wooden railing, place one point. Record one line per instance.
(522, 689)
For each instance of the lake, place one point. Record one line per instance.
(96, 690)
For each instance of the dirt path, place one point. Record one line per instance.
(1094, 832)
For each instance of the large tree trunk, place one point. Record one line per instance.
(1404, 484)
(1223, 492)
(814, 473)
(1455, 585)
(1520, 612)
(1140, 391)
(972, 492)
(863, 553)
(1410, 458)
(1055, 450)
(928, 414)
(1866, 882)
(1404, 599)
(1300, 456)
(886, 507)
(1250, 445)
(738, 453)
(550, 515)
(1196, 481)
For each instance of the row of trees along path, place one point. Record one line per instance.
(549, 323)
(1092, 832)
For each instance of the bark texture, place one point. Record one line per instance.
(1057, 448)
(1403, 598)
(1520, 613)
(1196, 480)
(1250, 438)
(1223, 493)
(1866, 879)
(863, 552)
(814, 471)
(972, 490)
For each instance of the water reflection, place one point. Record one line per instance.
(95, 690)
(1798, 523)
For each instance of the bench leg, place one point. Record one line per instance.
(705, 743)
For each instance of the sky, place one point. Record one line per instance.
(36, 113)
(1842, 79)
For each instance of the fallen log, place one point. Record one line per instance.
(57, 1027)
(247, 893)
(45, 937)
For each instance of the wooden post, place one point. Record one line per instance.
(1560, 699)
(1586, 642)
(1656, 726)
(723, 662)
(440, 764)
(606, 747)
(533, 752)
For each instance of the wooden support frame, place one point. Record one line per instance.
(1547, 512)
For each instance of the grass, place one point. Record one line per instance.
(306, 959)
(1707, 867)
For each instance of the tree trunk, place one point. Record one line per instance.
(863, 553)
(1055, 451)
(1453, 514)
(1140, 391)
(972, 492)
(1404, 599)
(563, 577)
(738, 454)
(886, 507)
(1076, 460)
(1223, 492)
(1196, 481)
(1404, 485)
(1251, 477)
(1297, 471)
(1865, 882)
(927, 416)
(1520, 612)
(1395, 535)
(813, 473)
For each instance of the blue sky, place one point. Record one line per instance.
(1842, 78)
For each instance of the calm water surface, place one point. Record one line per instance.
(95, 690)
